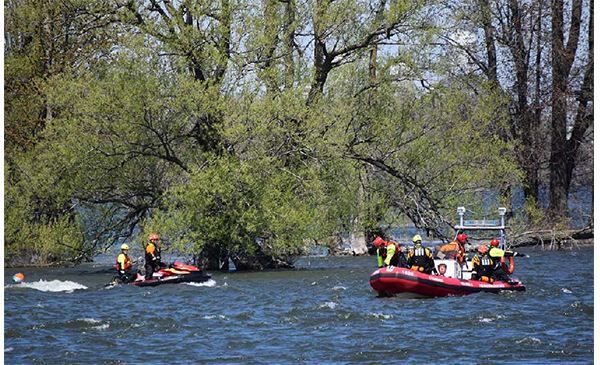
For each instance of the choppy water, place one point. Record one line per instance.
(325, 312)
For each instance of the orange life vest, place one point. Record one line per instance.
(454, 250)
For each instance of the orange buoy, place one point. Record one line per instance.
(18, 277)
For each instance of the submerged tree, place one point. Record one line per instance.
(254, 132)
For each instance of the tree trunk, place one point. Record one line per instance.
(490, 42)
(358, 241)
(288, 44)
(529, 155)
(584, 116)
(562, 61)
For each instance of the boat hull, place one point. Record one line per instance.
(192, 277)
(398, 280)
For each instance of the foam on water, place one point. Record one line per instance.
(209, 283)
(381, 315)
(330, 305)
(51, 286)
(220, 316)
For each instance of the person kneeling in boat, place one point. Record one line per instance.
(483, 266)
(496, 254)
(153, 262)
(389, 253)
(420, 258)
(455, 250)
(124, 265)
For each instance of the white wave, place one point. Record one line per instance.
(530, 339)
(381, 315)
(493, 318)
(101, 327)
(220, 316)
(89, 320)
(330, 305)
(52, 286)
(567, 291)
(209, 283)
(9, 349)
(339, 287)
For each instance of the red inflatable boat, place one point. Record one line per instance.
(396, 280)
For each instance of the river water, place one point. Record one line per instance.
(323, 312)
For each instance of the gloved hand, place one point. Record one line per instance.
(121, 272)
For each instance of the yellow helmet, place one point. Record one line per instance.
(124, 247)
(417, 238)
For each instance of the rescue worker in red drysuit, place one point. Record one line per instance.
(483, 266)
(420, 258)
(389, 253)
(124, 265)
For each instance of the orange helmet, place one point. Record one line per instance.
(378, 241)
(482, 249)
(495, 242)
(153, 237)
(462, 238)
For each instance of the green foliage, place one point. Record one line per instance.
(33, 233)
(192, 131)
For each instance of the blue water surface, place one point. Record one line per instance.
(323, 312)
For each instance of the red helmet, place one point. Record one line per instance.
(483, 249)
(462, 238)
(153, 237)
(495, 242)
(378, 241)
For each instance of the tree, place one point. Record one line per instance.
(42, 40)
(341, 32)
(564, 148)
(518, 31)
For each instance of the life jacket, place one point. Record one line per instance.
(498, 255)
(419, 257)
(396, 254)
(484, 266)
(453, 251)
(152, 254)
(126, 262)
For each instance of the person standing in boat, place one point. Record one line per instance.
(389, 253)
(483, 266)
(420, 258)
(124, 265)
(496, 254)
(153, 261)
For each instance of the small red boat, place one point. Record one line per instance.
(455, 278)
(396, 280)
